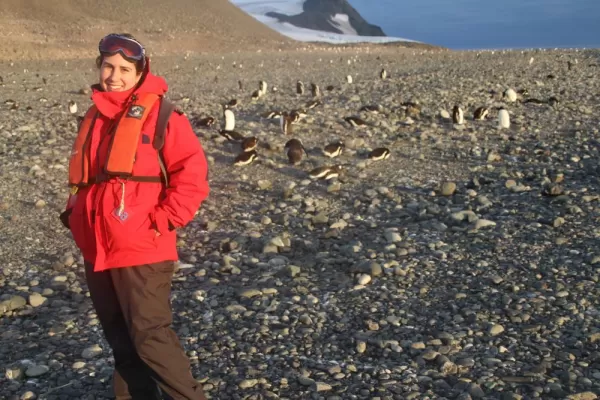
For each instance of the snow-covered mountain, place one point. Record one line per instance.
(333, 21)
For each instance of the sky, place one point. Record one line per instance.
(476, 24)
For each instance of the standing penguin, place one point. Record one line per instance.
(458, 115)
(294, 149)
(285, 122)
(503, 119)
(299, 87)
(72, 107)
(315, 90)
(383, 74)
(229, 117)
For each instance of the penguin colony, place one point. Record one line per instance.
(294, 148)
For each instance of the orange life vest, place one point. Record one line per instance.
(122, 147)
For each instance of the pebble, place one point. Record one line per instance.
(91, 352)
(496, 329)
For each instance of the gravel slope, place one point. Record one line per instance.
(463, 266)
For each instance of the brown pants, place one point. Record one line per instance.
(134, 309)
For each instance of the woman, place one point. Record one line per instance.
(127, 198)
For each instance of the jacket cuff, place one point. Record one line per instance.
(160, 219)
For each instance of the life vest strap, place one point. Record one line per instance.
(134, 178)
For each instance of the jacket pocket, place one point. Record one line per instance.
(132, 231)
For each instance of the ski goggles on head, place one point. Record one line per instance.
(129, 48)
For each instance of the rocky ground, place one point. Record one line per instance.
(464, 266)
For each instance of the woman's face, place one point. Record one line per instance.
(117, 74)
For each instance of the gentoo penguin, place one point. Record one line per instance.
(523, 92)
(355, 121)
(349, 79)
(249, 143)
(229, 119)
(294, 150)
(312, 104)
(241, 85)
(333, 149)
(285, 122)
(262, 86)
(380, 153)
(329, 88)
(503, 119)
(457, 115)
(205, 122)
(245, 158)
(232, 136)
(232, 103)
(299, 87)
(481, 113)
(553, 101)
(510, 95)
(326, 172)
(72, 107)
(383, 73)
(371, 108)
(315, 90)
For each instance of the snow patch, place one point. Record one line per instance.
(258, 9)
(342, 22)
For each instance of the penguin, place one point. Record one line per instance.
(503, 119)
(275, 114)
(349, 79)
(294, 150)
(457, 115)
(315, 90)
(481, 113)
(232, 136)
(249, 143)
(297, 115)
(325, 172)
(72, 107)
(523, 92)
(299, 87)
(285, 122)
(245, 158)
(205, 122)
(380, 153)
(232, 103)
(553, 101)
(312, 104)
(383, 73)
(534, 101)
(371, 108)
(262, 86)
(329, 88)
(510, 95)
(333, 149)
(241, 86)
(355, 122)
(412, 109)
(229, 117)
(256, 94)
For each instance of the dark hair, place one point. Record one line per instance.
(139, 65)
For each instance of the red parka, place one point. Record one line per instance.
(105, 240)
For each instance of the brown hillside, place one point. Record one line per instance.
(33, 29)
